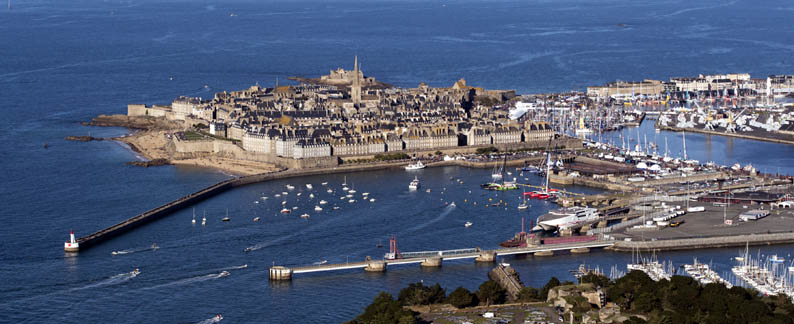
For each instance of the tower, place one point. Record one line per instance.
(355, 87)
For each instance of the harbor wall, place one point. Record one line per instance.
(705, 242)
(738, 135)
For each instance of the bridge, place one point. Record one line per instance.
(436, 258)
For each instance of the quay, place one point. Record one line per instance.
(436, 258)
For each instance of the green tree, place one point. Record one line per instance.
(553, 282)
(596, 279)
(528, 294)
(419, 294)
(491, 293)
(385, 310)
(462, 298)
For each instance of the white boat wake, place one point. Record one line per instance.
(214, 319)
(153, 247)
(187, 281)
(441, 216)
(114, 280)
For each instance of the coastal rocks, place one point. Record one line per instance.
(152, 163)
(83, 138)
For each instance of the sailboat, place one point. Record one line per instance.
(194, 217)
(204, 219)
(226, 219)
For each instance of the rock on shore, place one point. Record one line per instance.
(83, 138)
(146, 164)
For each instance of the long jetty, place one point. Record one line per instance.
(436, 258)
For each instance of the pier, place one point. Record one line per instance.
(435, 258)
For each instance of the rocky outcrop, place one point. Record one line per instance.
(83, 138)
(135, 122)
(146, 164)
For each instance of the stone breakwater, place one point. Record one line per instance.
(769, 138)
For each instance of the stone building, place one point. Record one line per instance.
(184, 106)
(310, 148)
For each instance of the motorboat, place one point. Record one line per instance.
(324, 183)
(335, 207)
(305, 216)
(468, 224)
(323, 202)
(135, 272)
(414, 185)
(415, 166)
(452, 204)
(224, 274)
(318, 208)
(309, 186)
(523, 206)
(352, 191)
(204, 219)
(365, 194)
(295, 208)
(256, 219)
(321, 262)
(351, 201)
(285, 211)
(311, 195)
(372, 200)
(283, 203)
(290, 187)
(565, 218)
(329, 190)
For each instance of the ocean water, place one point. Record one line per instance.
(65, 62)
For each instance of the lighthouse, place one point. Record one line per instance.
(71, 245)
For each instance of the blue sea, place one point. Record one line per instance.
(64, 62)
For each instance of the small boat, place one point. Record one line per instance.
(135, 272)
(309, 186)
(225, 219)
(277, 195)
(224, 274)
(414, 184)
(311, 195)
(351, 201)
(323, 202)
(352, 191)
(305, 216)
(415, 166)
(349, 196)
(523, 206)
(342, 198)
(155, 247)
(256, 201)
(295, 208)
(299, 194)
(321, 262)
(428, 190)
(204, 219)
(776, 259)
(324, 183)
(329, 190)
(452, 204)
(283, 203)
(468, 224)
(345, 188)
(335, 207)
(218, 317)
(264, 197)
(290, 187)
(256, 219)
(372, 200)
(318, 208)
(194, 216)
(285, 211)
(365, 194)
(285, 193)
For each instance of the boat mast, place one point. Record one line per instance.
(685, 158)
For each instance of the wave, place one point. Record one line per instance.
(469, 40)
(682, 11)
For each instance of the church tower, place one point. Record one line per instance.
(355, 87)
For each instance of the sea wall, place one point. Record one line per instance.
(704, 242)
